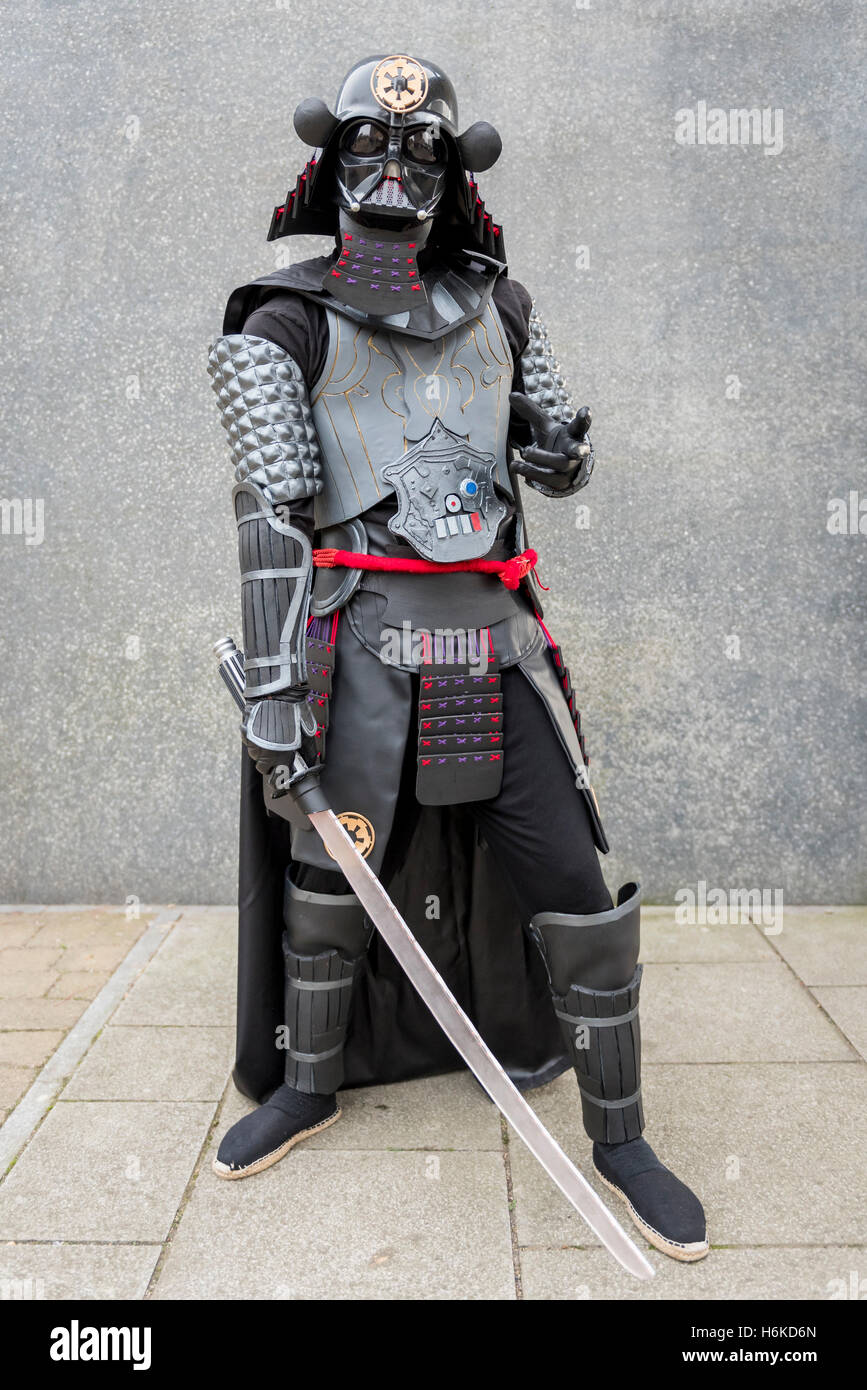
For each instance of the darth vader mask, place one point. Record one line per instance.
(391, 171)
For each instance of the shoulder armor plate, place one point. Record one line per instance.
(265, 411)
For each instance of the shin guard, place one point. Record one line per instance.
(594, 978)
(324, 943)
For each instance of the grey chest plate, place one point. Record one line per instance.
(389, 410)
(447, 507)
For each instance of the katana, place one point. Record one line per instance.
(438, 998)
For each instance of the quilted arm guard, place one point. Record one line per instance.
(265, 411)
(544, 384)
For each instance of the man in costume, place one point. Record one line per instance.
(381, 403)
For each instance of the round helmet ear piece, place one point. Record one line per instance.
(314, 123)
(480, 147)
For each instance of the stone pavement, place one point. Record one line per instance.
(755, 1083)
(53, 962)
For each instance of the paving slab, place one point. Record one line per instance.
(726, 1013)
(87, 1022)
(665, 940)
(817, 1273)
(16, 928)
(78, 984)
(22, 958)
(775, 1152)
(26, 984)
(408, 1226)
(14, 1082)
(825, 945)
(438, 1112)
(191, 979)
(80, 1272)
(28, 1013)
(104, 1170)
(28, 1047)
(847, 1005)
(96, 958)
(155, 1064)
(87, 926)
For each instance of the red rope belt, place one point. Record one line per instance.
(510, 572)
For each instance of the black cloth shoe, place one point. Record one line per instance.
(266, 1134)
(663, 1208)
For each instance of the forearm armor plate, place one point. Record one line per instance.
(276, 575)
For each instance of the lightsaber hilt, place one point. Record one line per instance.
(231, 664)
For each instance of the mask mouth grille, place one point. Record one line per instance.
(389, 193)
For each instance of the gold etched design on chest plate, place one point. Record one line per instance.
(419, 382)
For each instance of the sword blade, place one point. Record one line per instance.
(472, 1047)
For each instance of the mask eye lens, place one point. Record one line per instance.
(365, 139)
(425, 146)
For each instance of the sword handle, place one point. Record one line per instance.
(306, 794)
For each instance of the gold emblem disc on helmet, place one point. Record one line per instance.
(399, 83)
(359, 830)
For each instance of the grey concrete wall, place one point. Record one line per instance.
(712, 323)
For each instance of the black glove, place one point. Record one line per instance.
(560, 458)
(286, 719)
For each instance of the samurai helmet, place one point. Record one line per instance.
(390, 157)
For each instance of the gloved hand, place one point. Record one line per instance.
(560, 459)
(287, 724)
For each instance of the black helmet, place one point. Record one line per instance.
(391, 155)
